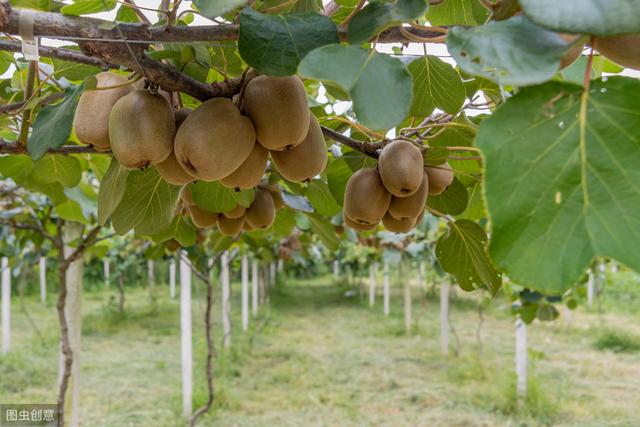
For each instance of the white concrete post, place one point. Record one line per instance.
(521, 359)
(336, 269)
(172, 278)
(106, 271)
(185, 335)
(6, 305)
(42, 269)
(407, 298)
(226, 301)
(280, 265)
(385, 288)
(245, 293)
(444, 317)
(590, 287)
(373, 267)
(254, 287)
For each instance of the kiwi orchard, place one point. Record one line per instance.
(280, 126)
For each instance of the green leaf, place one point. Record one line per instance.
(435, 156)
(85, 7)
(112, 188)
(325, 231)
(214, 8)
(511, 52)
(52, 126)
(284, 222)
(436, 84)
(298, 203)
(86, 203)
(458, 12)
(556, 200)
(6, 60)
(213, 196)
(70, 211)
(244, 197)
(452, 201)
(275, 44)
(376, 16)
(321, 198)
(54, 168)
(338, 174)
(126, 14)
(462, 252)
(148, 203)
(179, 229)
(596, 17)
(17, 167)
(379, 85)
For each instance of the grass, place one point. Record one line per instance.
(617, 341)
(316, 357)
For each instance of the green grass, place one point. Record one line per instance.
(617, 341)
(318, 357)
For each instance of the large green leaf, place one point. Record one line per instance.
(85, 7)
(321, 198)
(16, 167)
(379, 85)
(325, 231)
(452, 201)
(52, 126)
(597, 17)
(376, 16)
(275, 44)
(556, 200)
(112, 188)
(215, 8)
(148, 204)
(338, 174)
(436, 84)
(53, 168)
(213, 196)
(284, 222)
(513, 52)
(457, 12)
(462, 252)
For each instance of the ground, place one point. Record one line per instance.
(318, 357)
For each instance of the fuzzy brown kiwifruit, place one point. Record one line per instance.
(236, 212)
(214, 140)
(366, 200)
(172, 245)
(275, 193)
(171, 170)
(262, 211)
(181, 115)
(141, 129)
(230, 226)
(91, 121)
(305, 161)
(247, 226)
(440, 177)
(250, 172)
(574, 52)
(400, 165)
(623, 50)
(356, 225)
(202, 218)
(279, 110)
(186, 196)
(403, 208)
(398, 225)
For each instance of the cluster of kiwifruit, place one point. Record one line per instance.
(396, 192)
(221, 140)
(624, 50)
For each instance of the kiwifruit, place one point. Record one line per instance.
(307, 159)
(275, 193)
(247, 226)
(250, 172)
(214, 140)
(230, 226)
(236, 212)
(623, 50)
(141, 129)
(402, 208)
(400, 165)
(398, 225)
(186, 196)
(356, 225)
(440, 177)
(91, 121)
(262, 211)
(171, 170)
(574, 52)
(202, 218)
(365, 199)
(279, 110)
(172, 245)
(420, 217)
(181, 115)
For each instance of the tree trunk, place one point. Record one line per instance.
(245, 293)
(6, 305)
(385, 288)
(185, 338)
(521, 360)
(255, 295)
(226, 301)
(42, 267)
(172, 278)
(373, 268)
(444, 317)
(106, 271)
(73, 314)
